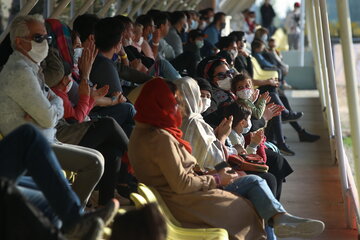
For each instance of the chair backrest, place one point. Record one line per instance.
(139, 200)
(261, 74)
(152, 196)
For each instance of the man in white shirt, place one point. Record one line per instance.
(25, 98)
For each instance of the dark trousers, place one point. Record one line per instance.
(25, 150)
(106, 136)
(123, 113)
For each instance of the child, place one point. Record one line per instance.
(242, 87)
(241, 125)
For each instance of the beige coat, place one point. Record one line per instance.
(161, 162)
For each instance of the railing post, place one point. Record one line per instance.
(82, 10)
(59, 9)
(335, 106)
(105, 8)
(26, 8)
(322, 63)
(149, 6)
(135, 8)
(122, 8)
(351, 81)
(311, 23)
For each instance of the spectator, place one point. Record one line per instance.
(292, 26)
(148, 30)
(108, 34)
(178, 20)
(243, 60)
(267, 16)
(25, 98)
(26, 150)
(165, 50)
(213, 31)
(186, 62)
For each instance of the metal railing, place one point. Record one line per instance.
(317, 18)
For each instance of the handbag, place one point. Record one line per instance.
(249, 162)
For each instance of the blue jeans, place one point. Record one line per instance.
(257, 191)
(123, 113)
(165, 69)
(25, 150)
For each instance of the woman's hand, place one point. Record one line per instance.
(223, 130)
(227, 176)
(272, 110)
(117, 98)
(265, 96)
(87, 59)
(256, 137)
(99, 93)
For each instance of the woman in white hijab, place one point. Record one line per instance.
(209, 151)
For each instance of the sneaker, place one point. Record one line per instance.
(86, 229)
(286, 226)
(293, 117)
(304, 136)
(285, 150)
(106, 213)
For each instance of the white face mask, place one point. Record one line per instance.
(69, 86)
(140, 42)
(264, 38)
(244, 93)
(39, 51)
(206, 102)
(128, 42)
(225, 84)
(234, 53)
(247, 129)
(186, 27)
(211, 19)
(77, 54)
(199, 43)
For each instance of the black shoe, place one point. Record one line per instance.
(293, 117)
(285, 150)
(304, 136)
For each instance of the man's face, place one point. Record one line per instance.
(222, 20)
(165, 28)
(35, 28)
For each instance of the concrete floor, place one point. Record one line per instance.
(314, 189)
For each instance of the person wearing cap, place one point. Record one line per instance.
(186, 62)
(292, 26)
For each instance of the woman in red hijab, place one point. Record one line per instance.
(163, 160)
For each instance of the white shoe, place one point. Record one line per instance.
(291, 226)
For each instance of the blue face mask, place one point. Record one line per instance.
(199, 43)
(194, 24)
(150, 36)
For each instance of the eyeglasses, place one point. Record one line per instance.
(40, 38)
(223, 75)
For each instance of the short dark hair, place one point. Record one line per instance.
(218, 16)
(108, 32)
(159, 17)
(239, 35)
(256, 44)
(125, 20)
(206, 11)
(176, 17)
(144, 20)
(84, 25)
(225, 42)
(242, 76)
(238, 111)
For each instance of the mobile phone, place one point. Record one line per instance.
(221, 165)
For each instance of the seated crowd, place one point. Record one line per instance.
(195, 118)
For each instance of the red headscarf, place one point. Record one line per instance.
(157, 106)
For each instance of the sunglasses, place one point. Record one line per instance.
(40, 38)
(223, 75)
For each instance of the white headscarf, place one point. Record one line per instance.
(206, 148)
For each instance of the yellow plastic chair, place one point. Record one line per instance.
(138, 200)
(261, 74)
(175, 231)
